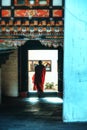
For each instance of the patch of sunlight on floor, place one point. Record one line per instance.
(53, 100)
(33, 99)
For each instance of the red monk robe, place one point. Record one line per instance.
(39, 77)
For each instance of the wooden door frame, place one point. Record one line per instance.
(23, 65)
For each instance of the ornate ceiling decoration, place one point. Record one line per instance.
(23, 20)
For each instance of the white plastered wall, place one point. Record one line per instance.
(9, 76)
(75, 61)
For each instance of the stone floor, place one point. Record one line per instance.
(34, 114)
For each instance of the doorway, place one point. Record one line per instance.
(50, 61)
(34, 46)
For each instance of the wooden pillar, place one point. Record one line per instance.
(22, 71)
(60, 69)
(0, 85)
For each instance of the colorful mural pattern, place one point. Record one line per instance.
(6, 13)
(57, 13)
(32, 13)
